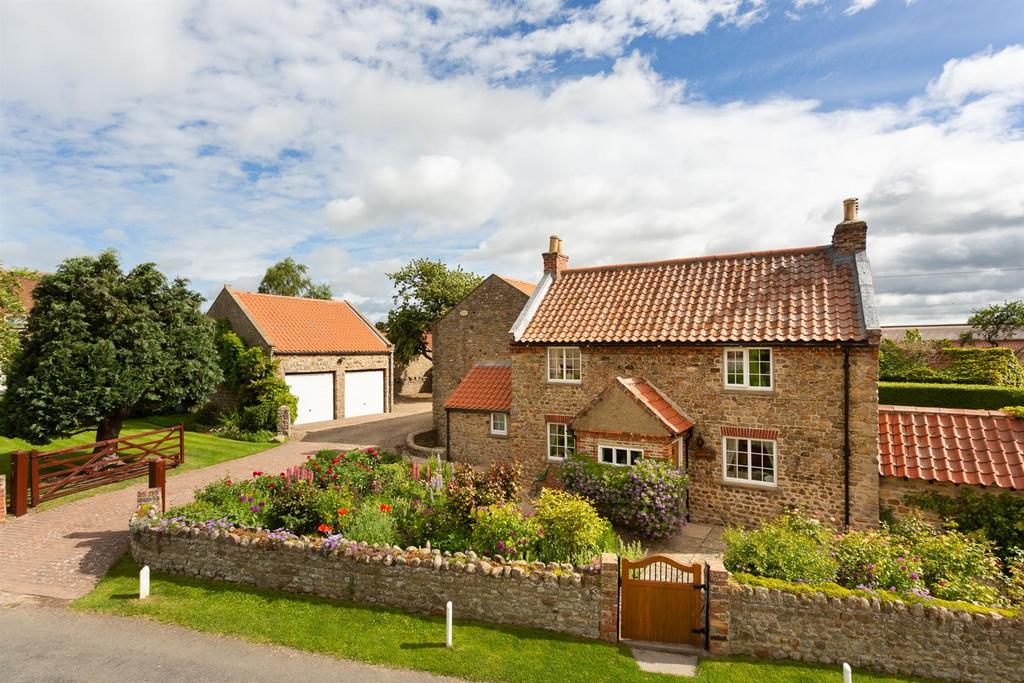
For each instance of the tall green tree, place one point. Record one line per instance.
(289, 278)
(424, 291)
(101, 345)
(998, 321)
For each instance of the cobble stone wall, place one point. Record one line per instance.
(892, 493)
(805, 406)
(414, 377)
(472, 441)
(476, 329)
(893, 638)
(339, 365)
(577, 601)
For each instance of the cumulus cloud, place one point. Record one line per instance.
(357, 137)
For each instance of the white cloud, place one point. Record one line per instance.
(859, 6)
(395, 161)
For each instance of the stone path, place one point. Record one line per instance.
(63, 551)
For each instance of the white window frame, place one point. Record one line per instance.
(567, 437)
(746, 368)
(503, 431)
(562, 365)
(749, 466)
(629, 454)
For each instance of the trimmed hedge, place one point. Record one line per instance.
(977, 396)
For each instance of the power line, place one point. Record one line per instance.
(950, 272)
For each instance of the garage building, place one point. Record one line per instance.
(333, 358)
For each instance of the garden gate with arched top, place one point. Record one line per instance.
(660, 599)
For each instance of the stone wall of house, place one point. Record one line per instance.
(225, 307)
(805, 406)
(577, 601)
(414, 377)
(892, 492)
(472, 441)
(893, 638)
(339, 365)
(476, 329)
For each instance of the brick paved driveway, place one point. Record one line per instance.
(63, 551)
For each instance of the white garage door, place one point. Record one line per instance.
(364, 392)
(315, 391)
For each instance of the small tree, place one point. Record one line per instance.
(998, 321)
(289, 278)
(102, 345)
(425, 291)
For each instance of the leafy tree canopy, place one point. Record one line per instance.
(998, 321)
(289, 278)
(10, 310)
(101, 345)
(424, 291)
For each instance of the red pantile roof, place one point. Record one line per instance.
(487, 386)
(296, 325)
(805, 294)
(523, 286)
(952, 445)
(655, 401)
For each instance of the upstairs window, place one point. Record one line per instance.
(751, 461)
(564, 364)
(561, 441)
(748, 368)
(499, 424)
(619, 455)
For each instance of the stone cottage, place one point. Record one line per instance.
(334, 360)
(756, 372)
(474, 331)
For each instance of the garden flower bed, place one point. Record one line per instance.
(380, 498)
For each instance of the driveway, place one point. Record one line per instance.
(384, 431)
(87, 647)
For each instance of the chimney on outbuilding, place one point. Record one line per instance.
(851, 235)
(554, 260)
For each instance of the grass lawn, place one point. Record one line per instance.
(393, 638)
(201, 450)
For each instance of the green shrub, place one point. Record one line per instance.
(955, 566)
(502, 529)
(948, 395)
(373, 524)
(234, 434)
(296, 507)
(253, 375)
(996, 366)
(570, 526)
(1000, 517)
(1015, 577)
(1014, 411)
(394, 481)
(500, 483)
(792, 547)
(869, 559)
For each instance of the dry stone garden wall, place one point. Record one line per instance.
(896, 638)
(554, 597)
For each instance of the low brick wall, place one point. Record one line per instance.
(893, 638)
(581, 602)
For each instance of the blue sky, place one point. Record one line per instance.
(217, 138)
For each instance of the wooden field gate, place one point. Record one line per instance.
(663, 600)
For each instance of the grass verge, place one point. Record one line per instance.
(396, 639)
(201, 450)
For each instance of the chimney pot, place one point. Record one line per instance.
(850, 209)
(554, 260)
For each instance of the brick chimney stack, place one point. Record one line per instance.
(851, 235)
(554, 260)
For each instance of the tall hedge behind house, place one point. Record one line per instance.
(977, 396)
(996, 366)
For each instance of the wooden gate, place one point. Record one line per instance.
(660, 600)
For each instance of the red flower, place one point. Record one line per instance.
(257, 473)
(228, 482)
(342, 512)
(385, 507)
(325, 528)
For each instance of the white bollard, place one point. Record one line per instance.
(144, 583)
(847, 673)
(448, 625)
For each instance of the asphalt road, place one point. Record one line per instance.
(388, 433)
(50, 644)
